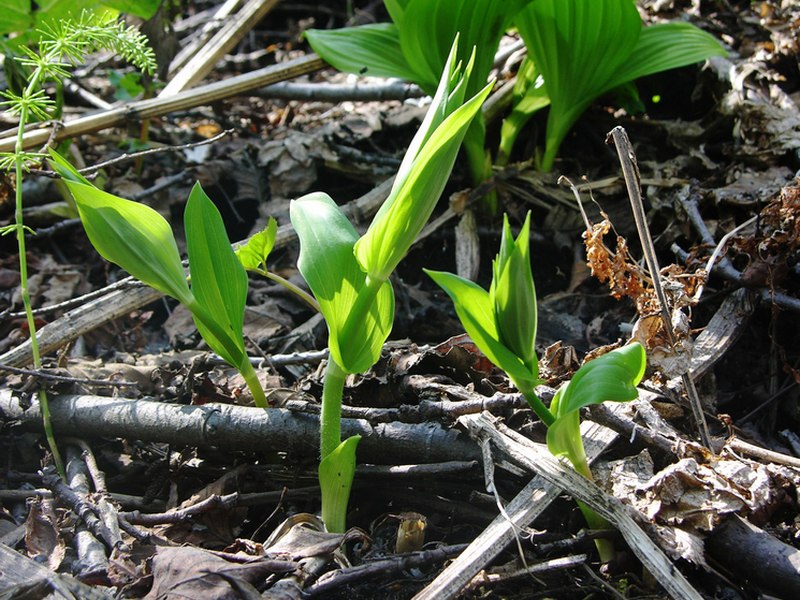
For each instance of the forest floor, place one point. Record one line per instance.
(177, 486)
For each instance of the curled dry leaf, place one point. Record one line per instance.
(41, 533)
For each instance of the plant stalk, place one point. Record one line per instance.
(330, 432)
(23, 270)
(300, 293)
(536, 404)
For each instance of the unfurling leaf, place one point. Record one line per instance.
(336, 472)
(329, 266)
(253, 255)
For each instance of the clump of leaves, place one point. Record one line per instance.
(579, 50)
(61, 45)
(138, 239)
(502, 322)
(349, 275)
(415, 47)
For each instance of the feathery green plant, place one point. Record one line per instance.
(502, 323)
(349, 275)
(61, 45)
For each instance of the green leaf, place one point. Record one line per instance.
(372, 50)
(584, 48)
(219, 282)
(610, 377)
(144, 9)
(667, 46)
(475, 311)
(326, 261)
(513, 294)
(128, 234)
(530, 96)
(577, 46)
(15, 16)
(253, 255)
(336, 472)
(412, 200)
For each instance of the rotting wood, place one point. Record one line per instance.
(525, 508)
(756, 556)
(237, 428)
(199, 38)
(156, 107)
(232, 31)
(531, 456)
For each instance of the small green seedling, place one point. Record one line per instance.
(502, 323)
(415, 47)
(349, 275)
(579, 50)
(61, 44)
(139, 240)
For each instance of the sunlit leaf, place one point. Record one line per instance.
(336, 472)
(128, 234)
(474, 309)
(219, 282)
(329, 267)
(372, 50)
(611, 377)
(253, 255)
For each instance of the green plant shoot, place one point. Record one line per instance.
(349, 276)
(415, 47)
(581, 49)
(139, 240)
(502, 323)
(62, 43)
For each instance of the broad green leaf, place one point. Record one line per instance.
(611, 377)
(219, 281)
(667, 46)
(530, 96)
(329, 267)
(128, 234)
(143, 9)
(372, 50)
(253, 255)
(410, 204)
(15, 16)
(577, 46)
(336, 472)
(474, 309)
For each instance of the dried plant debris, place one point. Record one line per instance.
(774, 251)
(626, 278)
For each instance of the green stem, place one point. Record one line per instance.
(235, 350)
(23, 270)
(300, 293)
(605, 548)
(330, 432)
(536, 403)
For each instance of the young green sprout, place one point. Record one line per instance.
(138, 239)
(502, 323)
(349, 276)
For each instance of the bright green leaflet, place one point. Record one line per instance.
(253, 255)
(585, 48)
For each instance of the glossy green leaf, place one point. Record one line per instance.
(513, 294)
(584, 48)
(667, 46)
(372, 50)
(411, 203)
(253, 255)
(530, 96)
(475, 311)
(219, 281)
(128, 234)
(336, 472)
(610, 377)
(330, 268)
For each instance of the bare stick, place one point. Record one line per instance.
(630, 170)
